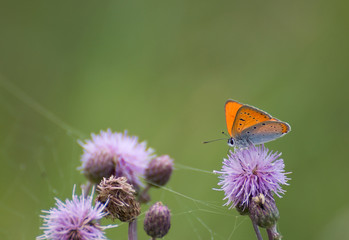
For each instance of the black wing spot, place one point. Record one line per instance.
(263, 123)
(242, 119)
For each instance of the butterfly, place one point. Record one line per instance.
(248, 125)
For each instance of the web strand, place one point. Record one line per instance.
(196, 212)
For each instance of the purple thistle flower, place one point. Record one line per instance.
(115, 154)
(74, 219)
(251, 171)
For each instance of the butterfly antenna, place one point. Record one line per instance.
(224, 133)
(214, 140)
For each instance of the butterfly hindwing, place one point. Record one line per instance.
(265, 131)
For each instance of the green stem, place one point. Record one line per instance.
(144, 195)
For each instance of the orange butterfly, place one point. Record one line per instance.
(248, 125)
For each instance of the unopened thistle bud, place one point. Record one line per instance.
(242, 209)
(273, 233)
(263, 211)
(120, 197)
(157, 220)
(159, 170)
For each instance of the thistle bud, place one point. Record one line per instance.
(159, 170)
(157, 220)
(263, 211)
(242, 209)
(98, 166)
(119, 195)
(273, 233)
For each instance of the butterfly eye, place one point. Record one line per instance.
(231, 142)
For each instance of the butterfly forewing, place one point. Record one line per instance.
(248, 116)
(231, 108)
(265, 131)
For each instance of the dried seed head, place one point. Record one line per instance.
(159, 170)
(120, 197)
(157, 220)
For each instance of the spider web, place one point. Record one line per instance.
(34, 170)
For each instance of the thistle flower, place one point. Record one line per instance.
(249, 172)
(157, 221)
(159, 170)
(115, 154)
(74, 219)
(119, 197)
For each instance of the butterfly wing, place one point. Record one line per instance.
(265, 131)
(248, 116)
(231, 109)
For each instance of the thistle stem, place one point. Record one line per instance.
(132, 230)
(256, 229)
(270, 234)
(144, 196)
(86, 188)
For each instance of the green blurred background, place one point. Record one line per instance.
(163, 70)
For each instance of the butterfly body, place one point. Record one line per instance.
(248, 125)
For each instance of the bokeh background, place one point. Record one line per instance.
(163, 70)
